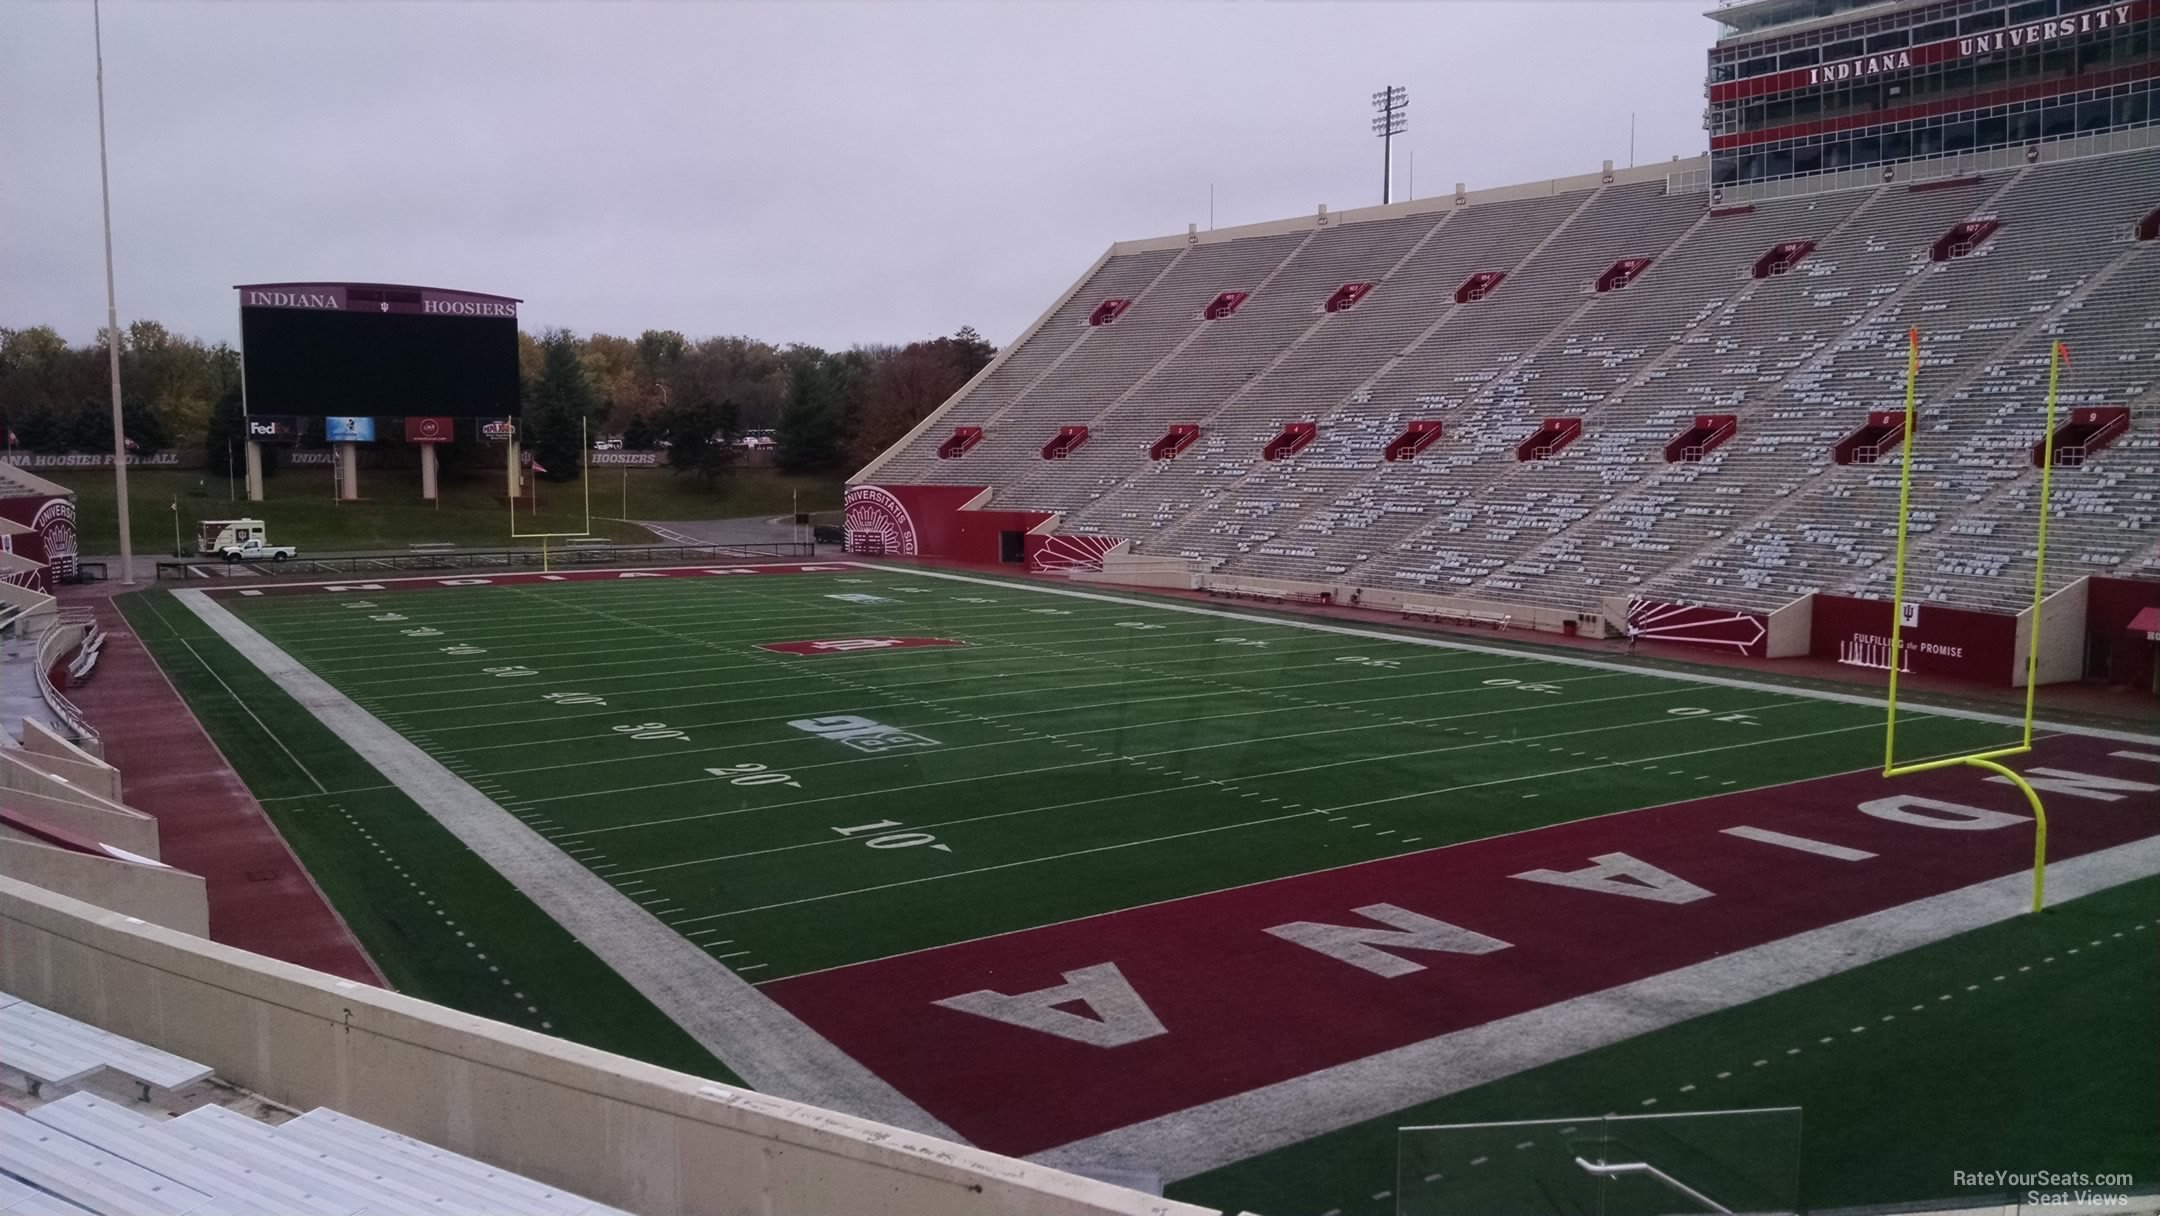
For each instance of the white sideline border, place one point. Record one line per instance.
(772, 1049)
(1565, 660)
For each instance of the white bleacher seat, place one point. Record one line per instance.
(88, 1176)
(19, 1198)
(53, 1049)
(356, 1140)
(237, 1184)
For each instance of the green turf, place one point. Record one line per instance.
(2044, 1057)
(439, 922)
(1090, 756)
(300, 510)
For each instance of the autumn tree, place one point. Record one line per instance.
(910, 383)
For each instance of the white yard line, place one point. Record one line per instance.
(1216, 1134)
(770, 1048)
(1028, 861)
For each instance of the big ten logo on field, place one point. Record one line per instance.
(862, 734)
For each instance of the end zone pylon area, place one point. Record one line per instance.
(1991, 758)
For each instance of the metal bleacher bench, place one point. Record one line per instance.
(1417, 610)
(52, 1049)
(238, 1186)
(82, 1173)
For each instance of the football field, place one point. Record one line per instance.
(1109, 878)
(960, 760)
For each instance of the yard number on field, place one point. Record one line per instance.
(509, 673)
(651, 730)
(1361, 659)
(1139, 625)
(1692, 711)
(889, 839)
(753, 774)
(573, 698)
(1552, 690)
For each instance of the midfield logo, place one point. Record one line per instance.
(853, 645)
(862, 734)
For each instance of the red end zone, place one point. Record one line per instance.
(524, 578)
(1034, 1039)
(853, 645)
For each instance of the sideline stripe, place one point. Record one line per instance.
(1216, 1134)
(766, 1045)
(1816, 694)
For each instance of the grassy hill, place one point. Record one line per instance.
(300, 510)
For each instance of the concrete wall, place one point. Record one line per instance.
(48, 751)
(612, 1129)
(1140, 570)
(1390, 599)
(1791, 629)
(2062, 636)
(37, 607)
(79, 811)
(161, 895)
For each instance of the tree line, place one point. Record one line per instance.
(826, 410)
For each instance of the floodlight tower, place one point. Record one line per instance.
(112, 315)
(1392, 119)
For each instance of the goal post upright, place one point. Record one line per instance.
(584, 477)
(1990, 758)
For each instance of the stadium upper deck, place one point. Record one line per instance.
(1807, 86)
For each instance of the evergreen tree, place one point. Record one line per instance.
(703, 437)
(558, 402)
(225, 436)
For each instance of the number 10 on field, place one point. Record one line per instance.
(880, 835)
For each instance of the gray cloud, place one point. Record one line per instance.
(823, 172)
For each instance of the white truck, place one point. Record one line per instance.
(239, 540)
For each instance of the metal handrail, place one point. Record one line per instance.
(69, 714)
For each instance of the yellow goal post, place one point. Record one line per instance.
(584, 481)
(1989, 758)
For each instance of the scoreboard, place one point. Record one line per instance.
(367, 349)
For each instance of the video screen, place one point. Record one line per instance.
(325, 362)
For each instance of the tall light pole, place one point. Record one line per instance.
(112, 317)
(1392, 118)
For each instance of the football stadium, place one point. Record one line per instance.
(1627, 693)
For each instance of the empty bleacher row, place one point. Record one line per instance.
(1992, 270)
(83, 1153)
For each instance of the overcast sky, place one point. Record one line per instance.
(824, 172)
